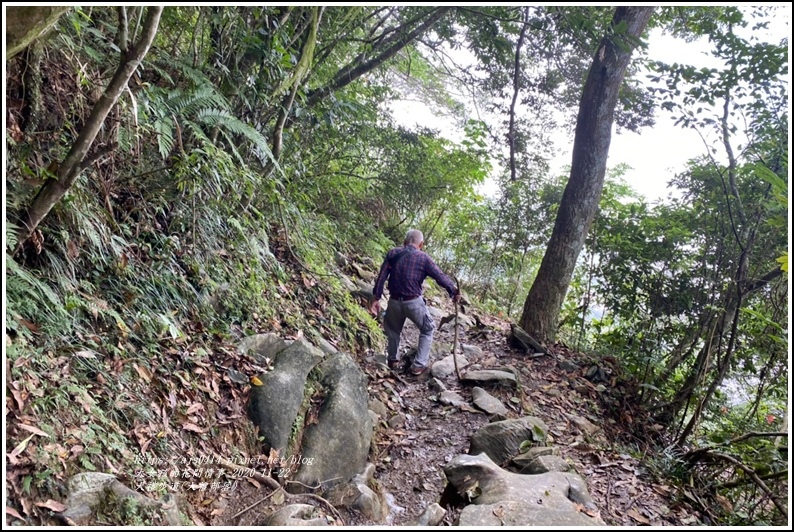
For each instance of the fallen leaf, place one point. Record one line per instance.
(55, 506)
(255, 381)
(32, 327)
(18, 398)
(143, 372)
(195, 407)
(193, 428)
(10, 511)
(637, 516)
(725, 503)
(19, 449)
(34, 430)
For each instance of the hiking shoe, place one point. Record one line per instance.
(418, 371)
(393, 364)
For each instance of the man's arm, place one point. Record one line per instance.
(377, 290)
(380, 280)
(442, 279)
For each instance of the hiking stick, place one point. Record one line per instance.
(455, 340)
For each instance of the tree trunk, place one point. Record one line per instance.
(581, 196)
(74, 163)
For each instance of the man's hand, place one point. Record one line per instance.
(456, 296)
(374, 307)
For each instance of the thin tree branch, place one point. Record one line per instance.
(516, 87)
(753, 475)
(358, 67)
(122, 34)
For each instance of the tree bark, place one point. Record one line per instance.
(581, 196)
(73, 164)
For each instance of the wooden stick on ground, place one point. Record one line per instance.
(272, 483)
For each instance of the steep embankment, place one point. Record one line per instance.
(188, 405)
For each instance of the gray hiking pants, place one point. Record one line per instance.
(416, 311)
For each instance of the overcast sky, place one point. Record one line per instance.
(655, 154)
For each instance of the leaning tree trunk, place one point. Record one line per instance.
(75, 161)
(588, 166)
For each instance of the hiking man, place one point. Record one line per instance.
(406, 268)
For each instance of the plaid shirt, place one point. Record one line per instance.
(406, 278)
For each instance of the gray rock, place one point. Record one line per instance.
(336, 447)
(446, 366)
(435, 313)
(436, 385)
(451, 398)
(471, 351)
(432, 516)
(326, 346)
(367, 475)
(364, 274)
(357, 494)
(340, 259)
(274, 406)
(347, 283)
(89, 490)
(567, 365)
(369, 504)
(548, 499)
(596, 374)
(261, 346)
(379, 408)
(501, 440)
(516, 514)
(523, 459)
(490, 375)
(237, 377)
(465, 321)
(584, 425)
(396, 421)
(297, 515)
(487, 402)
(545, 464)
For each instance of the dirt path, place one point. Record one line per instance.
(419, 435)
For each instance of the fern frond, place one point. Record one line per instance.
(222, 118)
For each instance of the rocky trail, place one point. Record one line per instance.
(523, 438)
(422, 425)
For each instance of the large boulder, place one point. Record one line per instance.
(499, 497)
(25, 24)
(263, 346)
(335, 448)
(274, 405)
(502, 440)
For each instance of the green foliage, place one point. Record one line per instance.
(191, 231)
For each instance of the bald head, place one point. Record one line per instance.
(415, 237)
